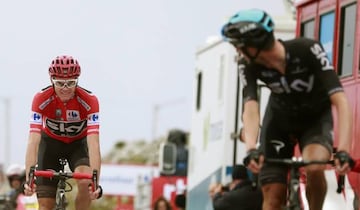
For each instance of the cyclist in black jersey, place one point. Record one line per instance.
(304, 86)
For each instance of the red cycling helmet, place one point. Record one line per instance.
(64, 66)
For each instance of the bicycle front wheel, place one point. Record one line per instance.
(60, 202)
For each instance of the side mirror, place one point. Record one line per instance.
(241, 136)
(167, 158)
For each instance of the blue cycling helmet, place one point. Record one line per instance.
(250, 28)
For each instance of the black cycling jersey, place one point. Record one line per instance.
(305, 87)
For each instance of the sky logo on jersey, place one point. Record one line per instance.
(36, 118)
(297, 85)
(72, 115)
(321, 55)
(68, 129)
(93, 119)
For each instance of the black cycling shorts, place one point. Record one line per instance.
(50, 151)
(280, 134)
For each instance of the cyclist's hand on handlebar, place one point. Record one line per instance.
(255, 166)
(254, 160)
(343, 162)
(342, 169)
(29, 191)
(95, 194)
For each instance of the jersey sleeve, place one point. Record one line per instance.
(93, 119)
(323, 69)
(248, 80)
(36, 116)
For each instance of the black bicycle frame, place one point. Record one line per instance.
(61, 202)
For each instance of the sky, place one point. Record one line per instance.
(135, 55)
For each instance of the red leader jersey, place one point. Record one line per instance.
(66, 122)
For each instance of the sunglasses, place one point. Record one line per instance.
(61, 83)
(237, 44)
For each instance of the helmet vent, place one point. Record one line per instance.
(64, 67)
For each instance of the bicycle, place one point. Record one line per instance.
(293, 197)
(62, 176)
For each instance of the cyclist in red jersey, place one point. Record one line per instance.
(64, 124)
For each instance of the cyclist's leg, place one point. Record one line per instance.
(275, 143)
(316, 144)
(47, 159)
(79, 162)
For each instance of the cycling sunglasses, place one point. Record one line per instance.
(61, 83)
(237, 44)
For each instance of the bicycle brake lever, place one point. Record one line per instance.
(343, 157)
(95, 181)
(96, 184)
(254, 181)
(31, 177)
(340, 183)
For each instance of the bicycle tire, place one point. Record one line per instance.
(294, 203)
(60, 202)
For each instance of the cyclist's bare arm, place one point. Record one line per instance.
(251, 120)
(31, 158)
(32, 150)
(344, 115)
(250, 132)
(95, 161)
(94, 151)
(340, 101)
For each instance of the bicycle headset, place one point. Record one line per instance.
(250, 28)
